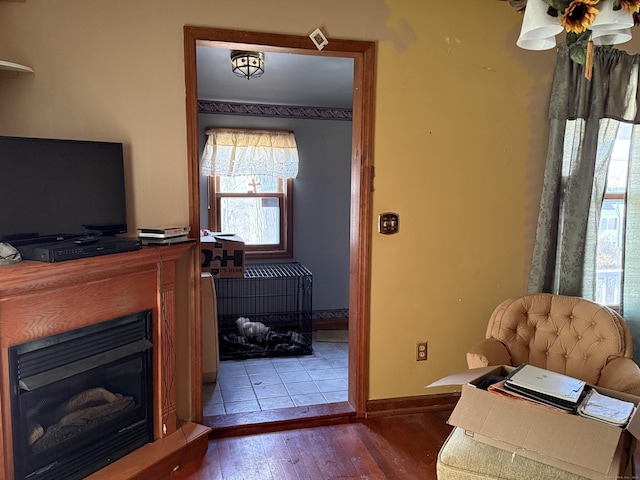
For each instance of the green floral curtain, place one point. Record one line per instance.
(584, 119)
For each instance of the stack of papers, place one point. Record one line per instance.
(605, 409)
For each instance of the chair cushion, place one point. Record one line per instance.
(462, 458)
(569, 335)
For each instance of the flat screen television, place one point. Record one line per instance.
(53, 189)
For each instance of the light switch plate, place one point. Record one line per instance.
(388, 223)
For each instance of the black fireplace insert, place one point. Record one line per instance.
(81, 399)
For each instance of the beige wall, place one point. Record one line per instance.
(460, 139)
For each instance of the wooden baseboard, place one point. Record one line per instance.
(403, 405)
(158, 459)
(330, 319)
(327, 414)
(331, 324)
(252, 423)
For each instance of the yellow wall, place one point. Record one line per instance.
(459, 152)
(460, 139)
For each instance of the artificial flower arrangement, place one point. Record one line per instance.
(576, 16)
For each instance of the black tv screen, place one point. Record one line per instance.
(54, 189)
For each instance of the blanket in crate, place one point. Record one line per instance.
(271, 341)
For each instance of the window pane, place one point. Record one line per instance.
(612, 223)
(255, 219)
(609, 258)
(252, 184)
(617, 175)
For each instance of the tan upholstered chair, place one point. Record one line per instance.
(569, 335)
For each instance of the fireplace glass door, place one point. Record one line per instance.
(81, 399)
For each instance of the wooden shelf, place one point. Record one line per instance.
(15, 67)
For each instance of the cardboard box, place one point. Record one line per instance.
(210, 345)
(222, 255)
(570, 442)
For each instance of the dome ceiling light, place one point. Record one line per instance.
(247, 64)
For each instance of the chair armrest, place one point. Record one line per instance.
(488, 352)
(621, 375)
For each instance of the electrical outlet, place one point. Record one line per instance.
(421, 351)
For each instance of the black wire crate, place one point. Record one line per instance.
(267, 313)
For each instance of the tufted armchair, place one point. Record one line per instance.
(569, 335)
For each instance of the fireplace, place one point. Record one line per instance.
(81, 399)
(39, 301)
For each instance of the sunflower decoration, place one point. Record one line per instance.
(579, 15)
(576, 16)
(631, 6)
(576, 19)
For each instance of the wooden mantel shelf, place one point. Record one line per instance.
(28, 275)
(39, 299)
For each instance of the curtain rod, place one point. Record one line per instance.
(243, 130)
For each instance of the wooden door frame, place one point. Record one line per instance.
(363, 54)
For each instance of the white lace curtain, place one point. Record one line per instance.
(233, 152)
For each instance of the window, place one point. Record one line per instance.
(258, 209)
(251, 176)
(609, 223)
(610, 245)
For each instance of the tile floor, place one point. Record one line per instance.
(279, 382)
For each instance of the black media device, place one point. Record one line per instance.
(54, 194)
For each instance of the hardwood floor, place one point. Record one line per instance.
(389, 447)
(380, 448)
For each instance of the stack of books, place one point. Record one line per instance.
(164, 235)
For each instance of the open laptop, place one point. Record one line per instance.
(546, 386)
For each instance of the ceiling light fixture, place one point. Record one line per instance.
(605, 22)
(247, 64)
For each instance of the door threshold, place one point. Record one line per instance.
(264, 421)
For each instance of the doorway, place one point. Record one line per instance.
(363, 54)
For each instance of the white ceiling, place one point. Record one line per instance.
(288, 79)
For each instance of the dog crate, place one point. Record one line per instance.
(267, 313)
